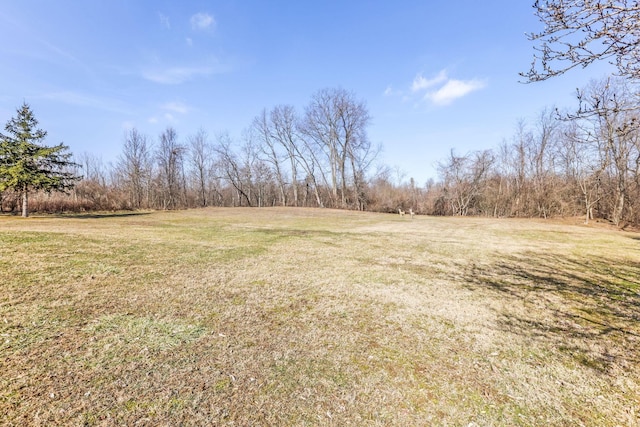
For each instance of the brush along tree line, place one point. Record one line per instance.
(584, 162)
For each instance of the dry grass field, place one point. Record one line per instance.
(294, 317)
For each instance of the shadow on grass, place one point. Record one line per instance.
(101, 215)
(587, 308)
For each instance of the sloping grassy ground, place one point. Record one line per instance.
(316, 317)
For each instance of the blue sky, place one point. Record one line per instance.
(434, 75)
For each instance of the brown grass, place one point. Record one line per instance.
(316, 317)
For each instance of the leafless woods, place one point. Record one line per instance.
(585, 161)
(318, 157)
(582, 162)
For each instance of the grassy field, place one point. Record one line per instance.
(276, 316)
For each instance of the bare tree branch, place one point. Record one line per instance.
(580, 32)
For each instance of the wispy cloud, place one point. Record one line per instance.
(163, 119)
(164, 20)
(202, 21)
(43, 49)
(168, 112)
(176, 107)
(176, 75)
(389, 91)
(420, 83)
(82, 100)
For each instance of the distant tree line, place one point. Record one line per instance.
(320, 157)
(583, 162)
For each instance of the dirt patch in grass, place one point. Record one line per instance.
(316, 317)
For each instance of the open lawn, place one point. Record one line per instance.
(278, 316)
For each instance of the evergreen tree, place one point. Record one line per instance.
(26, 164)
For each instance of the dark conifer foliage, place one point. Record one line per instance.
(26, 164)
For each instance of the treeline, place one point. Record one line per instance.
(318, 158)
(583, 162)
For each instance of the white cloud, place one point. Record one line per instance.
(420, 83)
(454, 89)
(438, 90)
(202, 21)
(176, 75)
(189, 41)
(164, 20)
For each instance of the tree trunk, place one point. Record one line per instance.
(294, 181)
(25, 202)
(587, 205)
(618, 208)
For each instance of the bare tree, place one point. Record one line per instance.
(270, 147)
(93, 168)
(201, 164)
(284, 123)
(231, 167)
(170, 157)
(134, 168)
(308, 159)
(319, 130)
(608, 118)
(336, 123)
(255, 171)
(463, 177)
(579, 32)
(541, 154)
(581, 165)
(515, 165)
(94, 186)
(503, 194)
(361, 155)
